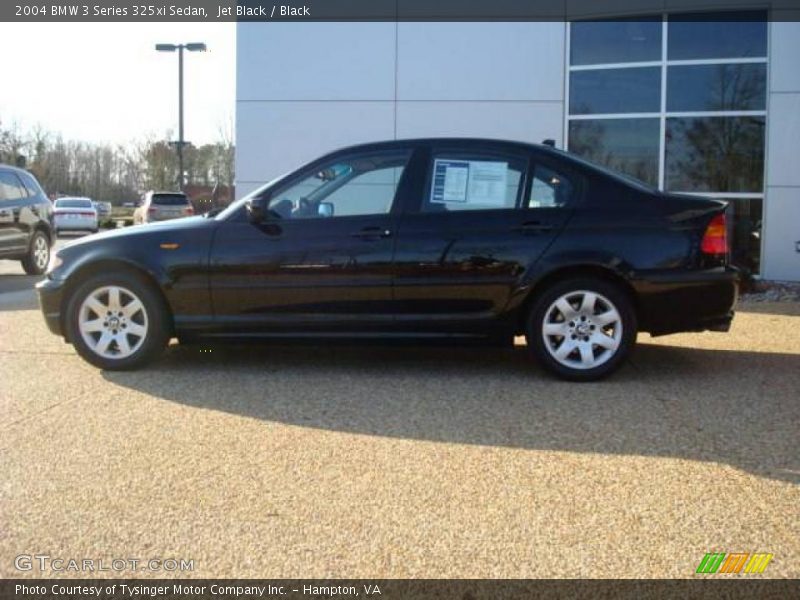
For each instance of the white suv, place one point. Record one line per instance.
(160, 206)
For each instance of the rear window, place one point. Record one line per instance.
(170, 199)
(73, 203)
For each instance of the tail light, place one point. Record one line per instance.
(715, 239)
(152, 209)
(188, 210)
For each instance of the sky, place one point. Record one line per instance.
(104, 82)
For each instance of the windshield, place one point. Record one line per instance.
(235, 206)
(73, 203)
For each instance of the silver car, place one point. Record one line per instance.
(103, 209)
(74, 214)
(160, 206)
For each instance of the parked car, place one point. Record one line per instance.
(103, 209)
(26, 220)
(161, 206)
(449, 238)
(75, 214)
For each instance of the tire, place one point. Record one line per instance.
(122, 339)
(595, 318)
(35, 262)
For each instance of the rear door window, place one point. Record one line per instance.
(465, 181)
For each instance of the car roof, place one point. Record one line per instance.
(575, 161)
(74, 198)
(14, 169)
(466, 141)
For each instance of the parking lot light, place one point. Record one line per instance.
(191, 47)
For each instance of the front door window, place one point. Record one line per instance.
(360, 186)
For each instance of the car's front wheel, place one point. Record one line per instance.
(117, 322)
(582, 329)
(35, 262)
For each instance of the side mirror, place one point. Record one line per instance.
(325, 209)
(256, 209)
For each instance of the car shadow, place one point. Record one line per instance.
(738, 408)
(17, 292)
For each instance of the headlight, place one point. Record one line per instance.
(55, 262)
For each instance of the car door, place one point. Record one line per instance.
(321, 259)
(483, 217)
(13, 234)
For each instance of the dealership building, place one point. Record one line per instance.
(704, 102)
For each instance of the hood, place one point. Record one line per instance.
(163, 227)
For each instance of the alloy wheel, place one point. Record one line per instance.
(582, 329)
(41, 252)
(113, 322)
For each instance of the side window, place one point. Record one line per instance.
(361, 185)
(11, 187)
(550, 189)
(474, 182)
(32, 187)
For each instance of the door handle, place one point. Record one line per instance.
(534, 227)
(372, 233)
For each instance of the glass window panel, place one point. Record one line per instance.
(717, 87)
(473, 182)
(10, 187)
(361, 185)
(626, 145)
(717, 35)
(549, 189)
(622, 40)
(615, 91)
(715, 154)
(745, 222)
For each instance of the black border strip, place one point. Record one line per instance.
(375, 10)
(732, 588)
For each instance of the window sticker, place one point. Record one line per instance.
(469, 182)
(450, 179)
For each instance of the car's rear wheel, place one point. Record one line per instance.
(582, 329)
(35, 262)
(117, 322)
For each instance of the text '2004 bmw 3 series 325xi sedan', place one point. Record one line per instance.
(457, 238)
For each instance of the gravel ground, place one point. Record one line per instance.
(292, 461)
(773, 291)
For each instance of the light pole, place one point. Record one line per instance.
(193, 47)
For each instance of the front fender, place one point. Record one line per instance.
(174, 257)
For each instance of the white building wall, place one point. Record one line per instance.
(304, 89)
(781, 249)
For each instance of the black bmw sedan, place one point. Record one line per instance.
(432, 238)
